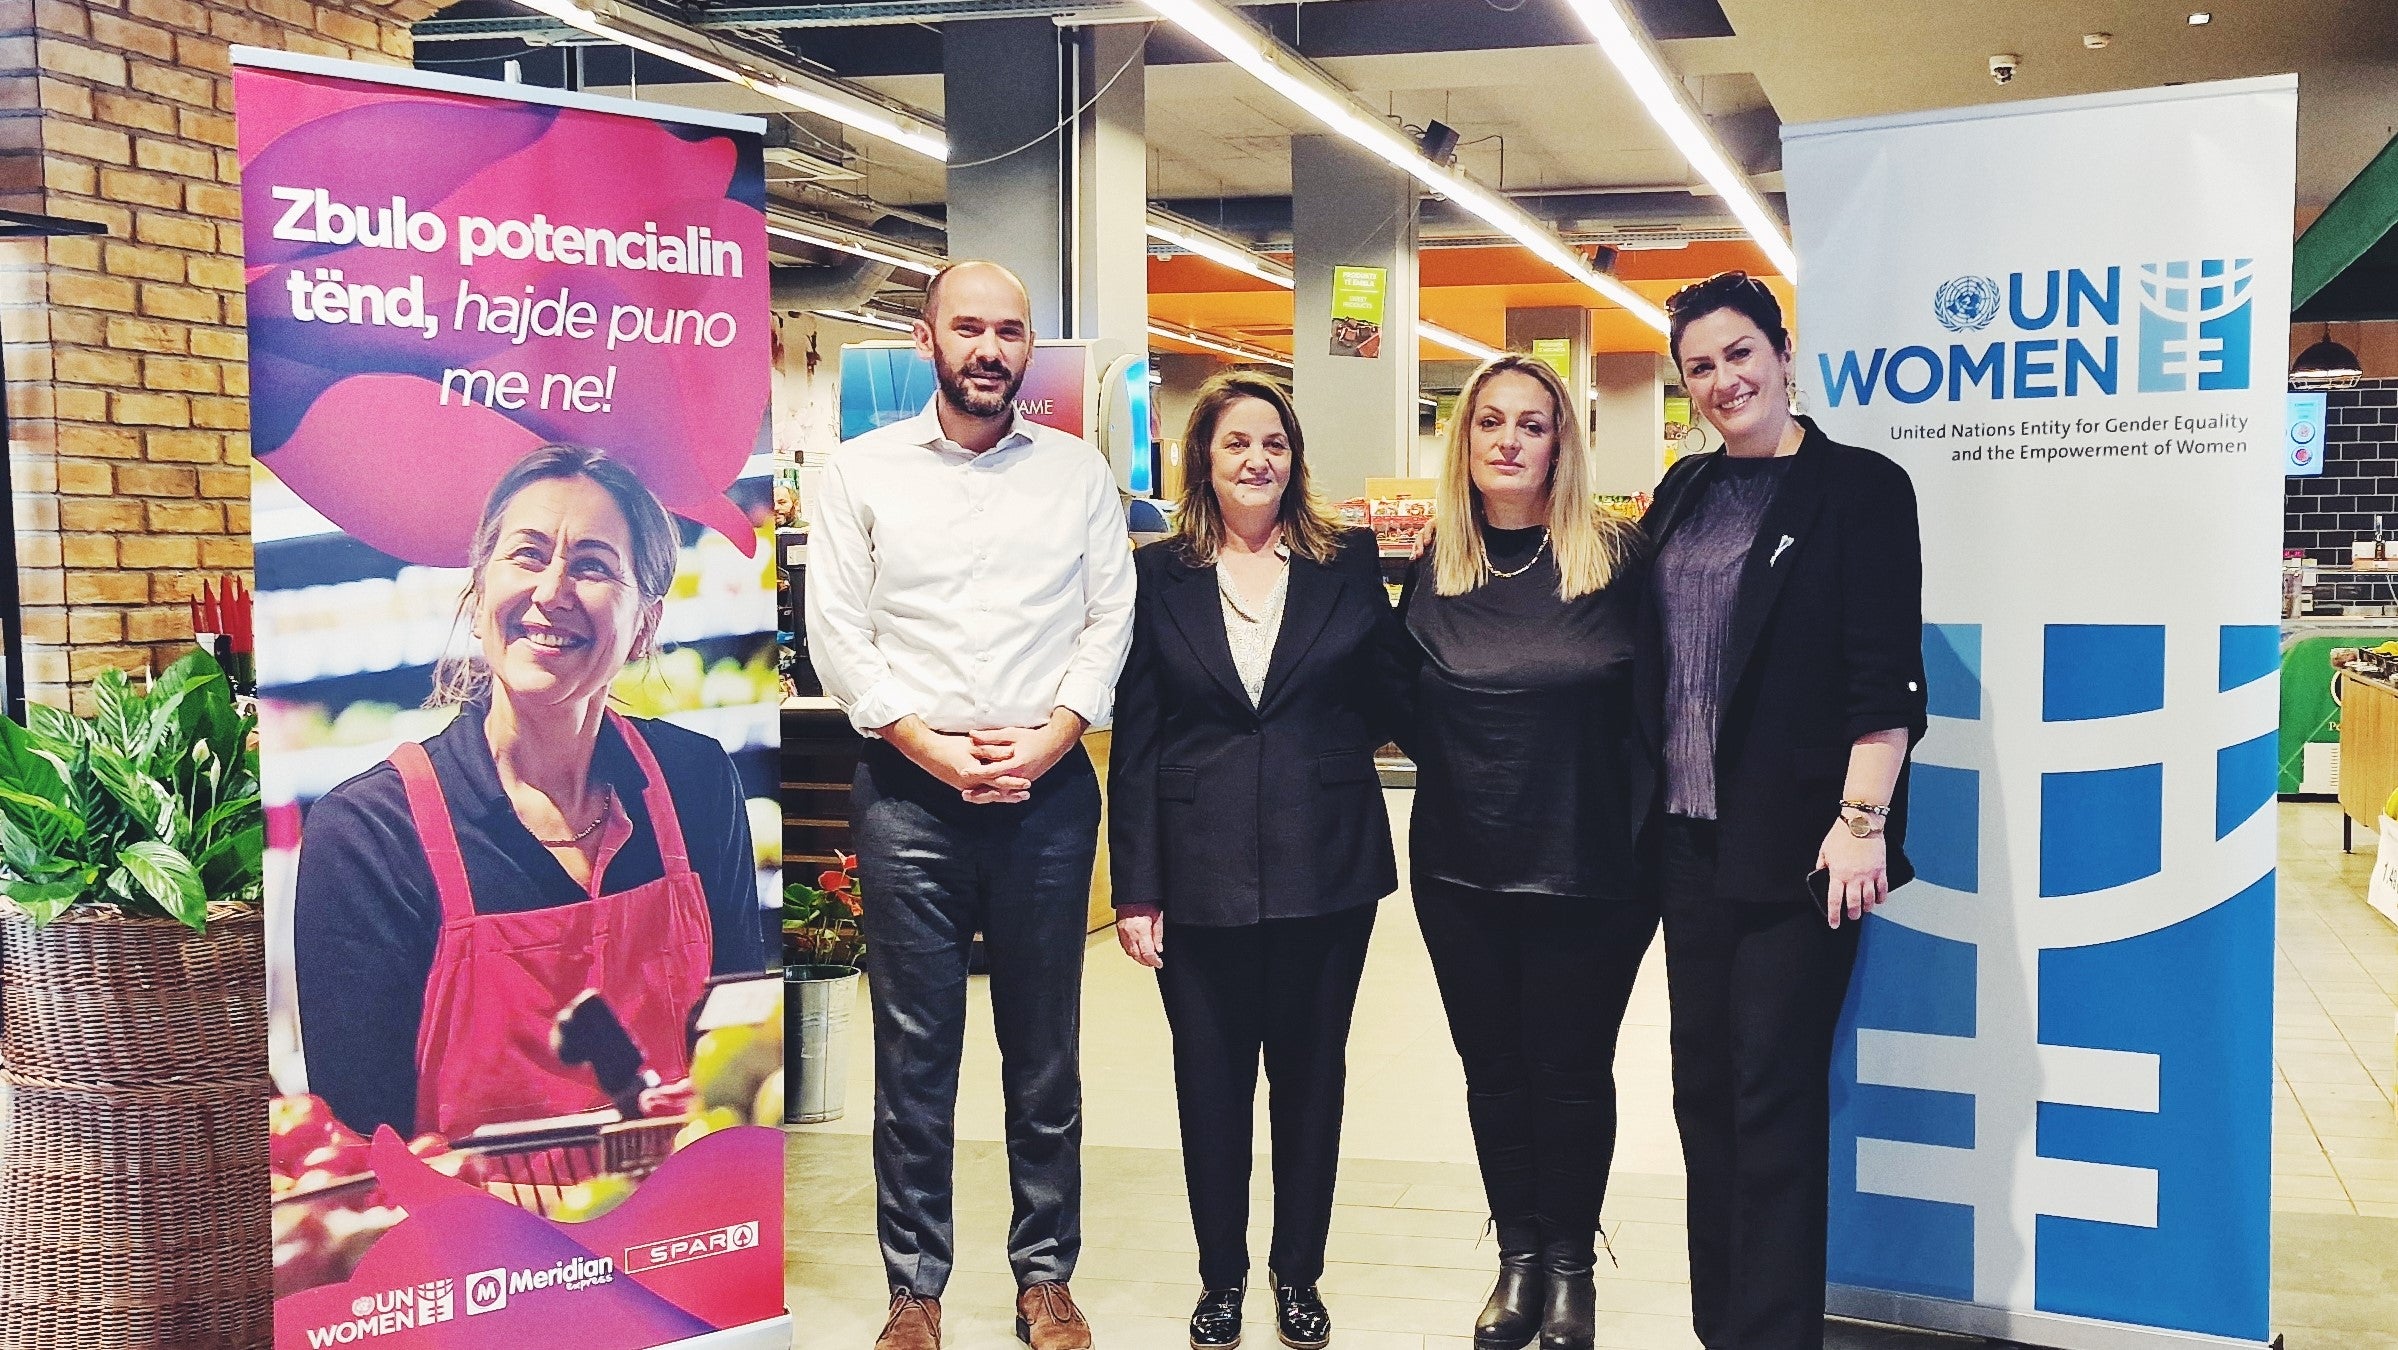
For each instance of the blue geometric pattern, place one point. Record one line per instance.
(2101, 828)
(1952, 670)
(2091, 671)
(2248, 652)
(1944, 826)
(2245, 776)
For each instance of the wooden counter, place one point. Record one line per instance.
(2368, 752)
(820, 755)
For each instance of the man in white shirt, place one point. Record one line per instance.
(969, 603)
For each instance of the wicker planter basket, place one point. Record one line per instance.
(97, 999)
(134, 1157)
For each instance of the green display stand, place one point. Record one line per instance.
(2308, 714)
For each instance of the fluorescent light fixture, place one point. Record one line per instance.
(1432, 403)
(1455, 341)
(870, 320)
(822, 238)
(2201, 19)
(1214, 343)
(1190, 238)
(686, 46)
(1290, 75)
(1628, 48)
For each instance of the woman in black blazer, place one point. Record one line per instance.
(1519, 620)
(1247, 829)
(1780, 681)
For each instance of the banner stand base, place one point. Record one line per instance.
(2052, 1331)
(774, 1335)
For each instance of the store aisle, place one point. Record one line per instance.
(1409, 1264)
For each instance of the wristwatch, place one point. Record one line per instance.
(1864, 819)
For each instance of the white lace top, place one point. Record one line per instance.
(1252, 625)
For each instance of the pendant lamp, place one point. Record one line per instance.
(2326, 365)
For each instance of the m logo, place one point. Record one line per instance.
(486, 1292)
(2194, 324)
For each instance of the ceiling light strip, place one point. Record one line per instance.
(1456, 341)
(1193, 238)
(806, 232)
(1293, 77)
(861, 316)
(1635, 58)
(1218, 344)
(672, 41)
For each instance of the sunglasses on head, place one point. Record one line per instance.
(1721, 286)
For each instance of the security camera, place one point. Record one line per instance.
(2002, 66)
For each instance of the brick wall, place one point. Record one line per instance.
(127, 388)
(2326, 515)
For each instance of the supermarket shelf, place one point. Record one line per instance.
(305, 775)
(349, 686)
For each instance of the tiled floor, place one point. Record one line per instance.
(1409, 1265)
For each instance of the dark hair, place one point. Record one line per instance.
(657, 545)
(1307, 528)
(1736, 291)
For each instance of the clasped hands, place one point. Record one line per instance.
(995, 766)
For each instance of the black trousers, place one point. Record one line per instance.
(934, 871)
(1285, 988)
(1756, 991)
(1535, 988)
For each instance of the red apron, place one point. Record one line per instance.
(483, 1052)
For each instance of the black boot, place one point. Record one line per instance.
(1216, 1322)
(1513, 1316)
(1299, 1315)
(1569, 1312)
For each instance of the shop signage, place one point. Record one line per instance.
(1357, 305)
(2053, 1089)
(508, 371)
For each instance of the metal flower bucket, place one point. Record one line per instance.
(817, 1003)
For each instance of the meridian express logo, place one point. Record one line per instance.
(2065, 333)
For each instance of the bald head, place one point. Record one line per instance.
(981, 285)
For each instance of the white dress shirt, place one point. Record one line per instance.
(974, 591)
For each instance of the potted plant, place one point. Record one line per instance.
(133, 1020)
(822, 945)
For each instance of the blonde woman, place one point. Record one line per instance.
(1521, 619)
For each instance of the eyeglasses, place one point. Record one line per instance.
(1715, 290)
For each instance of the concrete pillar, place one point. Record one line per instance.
(1535, 332)
(1628, 429)
(1111, 221)
(1349, 209)
(1006, 84)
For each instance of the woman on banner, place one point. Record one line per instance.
(1781, 689)
(1248, 835)
(452, 900)
(1519, 620)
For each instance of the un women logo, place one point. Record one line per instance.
(1966, 304)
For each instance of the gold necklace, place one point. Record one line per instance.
(1544, 547)
(584, 833)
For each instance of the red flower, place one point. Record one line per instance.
(838, 883)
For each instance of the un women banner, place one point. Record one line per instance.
(2053, 1091)
(519, 712)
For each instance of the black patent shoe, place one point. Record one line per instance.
(1299, 1316)
(1216, 1322)
(1512, 1317)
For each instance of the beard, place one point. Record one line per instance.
(965, 397)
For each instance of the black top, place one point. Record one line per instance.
(1523, 706)
(365, 913)
(1825, 646)
(1224, 813)
(1697, 577)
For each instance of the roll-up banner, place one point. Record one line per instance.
(2053, 1090)
(2056, 1075)
(515, 645)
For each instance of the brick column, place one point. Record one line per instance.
(127, 389)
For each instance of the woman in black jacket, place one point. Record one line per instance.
(1520, 622)
(1248, 833)
(1781, 689)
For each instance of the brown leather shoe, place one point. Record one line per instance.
(915, 1324)
(1046, 1318)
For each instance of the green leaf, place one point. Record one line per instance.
(44, 901)
(27, 763)
(35, 811)
(168, 878)
(144, 798)
(63, 730)
(231, 864)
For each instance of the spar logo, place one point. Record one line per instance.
(2065, 332)
(691, 1247)
(393, 1310)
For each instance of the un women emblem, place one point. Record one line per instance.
(1966, 304)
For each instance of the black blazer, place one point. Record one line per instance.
(1826, 646)
(1225, 814)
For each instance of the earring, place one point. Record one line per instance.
(1798, 402)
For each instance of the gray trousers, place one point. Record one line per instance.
(936, 871)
